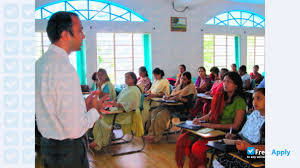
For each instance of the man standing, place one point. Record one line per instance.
(62, 115)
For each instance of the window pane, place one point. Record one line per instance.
(124, 64)
(138, 51)
(79, 5)
(106, 51)
(219, 50)
(102, 16)
(255, 52)
(121, 53)
(123, 39)
(135, 18)
(105, 39)
(117, 11)
(238, 18)
(56, 7)
(124, 52)
(97, 5)
(138, 39)
(120, 77)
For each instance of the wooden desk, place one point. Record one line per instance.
(254, 164)
(211, 134)
(156, 99)
(113, 112)
(173, 104)
(204, 96)
(166, 103)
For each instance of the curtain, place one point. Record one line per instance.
(81, 64)
(237, 46)
(148, 54)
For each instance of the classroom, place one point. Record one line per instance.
(150, 83)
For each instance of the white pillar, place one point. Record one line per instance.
(91, 53)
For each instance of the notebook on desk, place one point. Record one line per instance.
(204, 96)
(189, 126)
(164, 100)
(170, 101)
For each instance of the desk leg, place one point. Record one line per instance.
(211, 158)
(111, 141)
(112, 129)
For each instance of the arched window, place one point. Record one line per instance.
(90, 10)
(238, 18)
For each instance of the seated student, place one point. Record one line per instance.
(95, 81)
(227, 111)
(202, 106)
(252, 133)
(214, 73)
(245, 77)
(202, 83)
(261, 84)
(255, 75)
(143, 80)
(181, 69)
(105, 85)
(218, 83)
(129, 101)
(185, 93)
(233, 68)
(159, 88)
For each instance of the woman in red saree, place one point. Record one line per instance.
(202, 106)
(227, 111)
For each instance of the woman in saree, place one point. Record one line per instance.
(105, 85)
(214, 73)
(159, 88)
(184, 93)
(251, 135)
(130, 120)
(202, 83)
(95, 81)
(143, 79)
(202, 106)
(181, 69)
(227, 112)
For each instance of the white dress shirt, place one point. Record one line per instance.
(60, 107)
(252, 127)
(244, 78)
